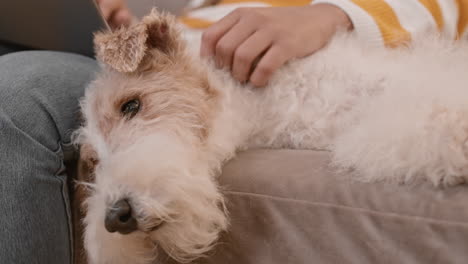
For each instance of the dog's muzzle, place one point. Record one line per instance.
(119, 218)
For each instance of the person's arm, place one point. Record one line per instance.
(272, 36)
(254, 42)
(395, 22)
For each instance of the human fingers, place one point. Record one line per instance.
(231, 40)
(212, 34)
(107, 7)
(249, 51)
(122, 17)
(273, 59)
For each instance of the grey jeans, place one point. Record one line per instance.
(39, 93)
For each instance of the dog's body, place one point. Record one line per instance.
(393, 115)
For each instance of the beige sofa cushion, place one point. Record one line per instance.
(288, 207)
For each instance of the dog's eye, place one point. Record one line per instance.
(130, 108)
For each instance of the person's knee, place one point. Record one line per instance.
(41, 90)
(56, 75)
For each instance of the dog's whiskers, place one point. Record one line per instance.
(153, 228)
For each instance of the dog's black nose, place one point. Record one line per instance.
(119, 218)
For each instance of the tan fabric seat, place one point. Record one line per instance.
(288, 207)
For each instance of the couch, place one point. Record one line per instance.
(291, 207)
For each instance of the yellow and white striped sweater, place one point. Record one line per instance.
(380, 22)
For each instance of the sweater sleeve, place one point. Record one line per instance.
(377, 22)
(201, 18)
(394, 22)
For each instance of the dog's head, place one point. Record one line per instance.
(147, 116)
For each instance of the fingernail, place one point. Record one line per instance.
(219, 63)
(203, 52)
(257, 83)
(241, 80)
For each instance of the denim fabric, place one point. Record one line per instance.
(39, 93)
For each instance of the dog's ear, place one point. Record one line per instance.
(127, 48)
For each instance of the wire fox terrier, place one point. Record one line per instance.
(160, 122)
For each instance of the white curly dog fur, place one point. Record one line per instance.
(393, 115)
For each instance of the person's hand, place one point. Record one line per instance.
(115, 12)
(254, 42)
